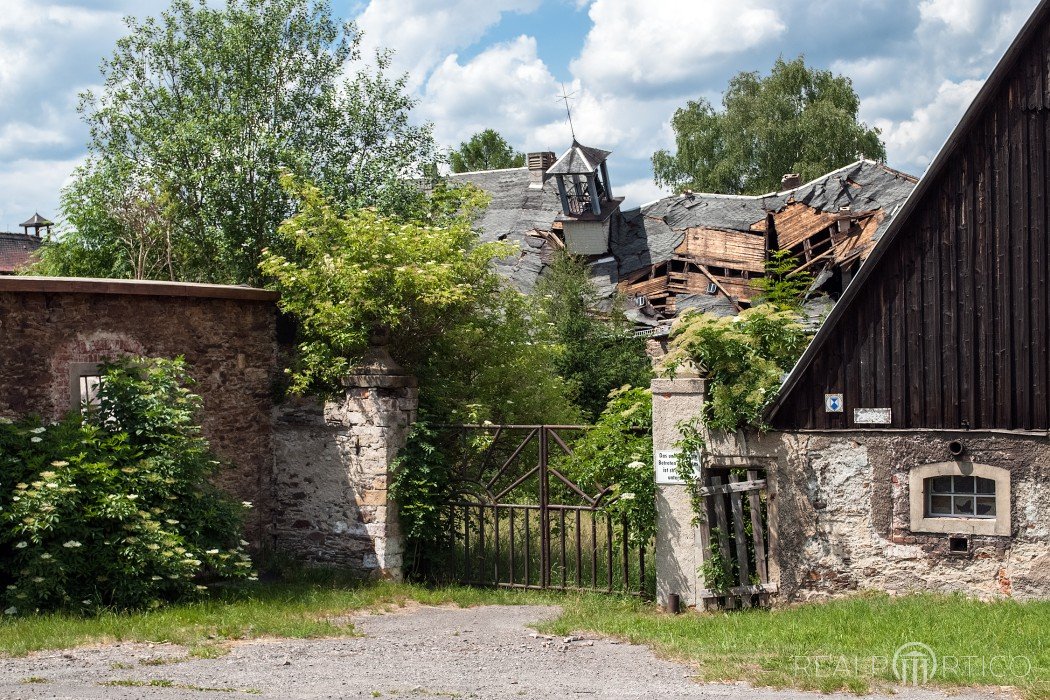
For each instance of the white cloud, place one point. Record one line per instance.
(27, 186)
(509, 88)
(422, 32)
(506, 87)
(635, 46)
(28, 34)
(638, 192)
(917, 139)
(959, 16)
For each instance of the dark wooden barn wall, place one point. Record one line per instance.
(951, 329)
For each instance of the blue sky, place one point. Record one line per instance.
(473, 64)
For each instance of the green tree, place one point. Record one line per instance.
(349, 275)
(204, 107)
(797, 119)
(783, 286)
(596, 351)
(743, 358)
(430, 283)
(486, 150)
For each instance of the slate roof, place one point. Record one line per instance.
(15, 250)
(653, 231)
(514, 212)
(649, 234)
(579, 159)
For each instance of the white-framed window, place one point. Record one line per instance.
(85, 378)
(960, 498)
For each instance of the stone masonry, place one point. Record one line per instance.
(226, 334)
(839, 510)
(678, 551)
(332, 471)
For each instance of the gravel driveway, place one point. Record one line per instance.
(485, 652)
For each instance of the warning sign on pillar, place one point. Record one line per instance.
(666, 465)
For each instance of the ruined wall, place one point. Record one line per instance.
(332, 471)
(229, 345)
(841, 513)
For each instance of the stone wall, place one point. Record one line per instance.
(332, 471)
(842, 516)
(839, 510)
(226, 334)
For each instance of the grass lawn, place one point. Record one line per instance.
(840, 645)
(845, 644)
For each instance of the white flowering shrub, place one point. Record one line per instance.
(114, 509)
(618, 453)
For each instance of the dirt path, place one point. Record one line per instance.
(485, 652)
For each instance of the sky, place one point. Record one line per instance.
(501, 64)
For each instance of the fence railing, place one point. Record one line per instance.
(518, 521)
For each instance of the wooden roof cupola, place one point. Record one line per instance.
(587, 203)
(36, 223)
(583, 180)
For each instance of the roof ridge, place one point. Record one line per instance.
(814, 181)
(493, 170)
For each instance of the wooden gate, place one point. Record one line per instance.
(517, 521)
(734, 537)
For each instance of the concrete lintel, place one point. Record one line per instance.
(681, 385)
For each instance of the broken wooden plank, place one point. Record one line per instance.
(757, 528)
(740, 539)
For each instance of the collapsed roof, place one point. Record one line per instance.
(698, 250)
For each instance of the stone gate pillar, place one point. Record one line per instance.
(332, 470)
(678, 549)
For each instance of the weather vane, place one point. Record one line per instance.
(568, 112)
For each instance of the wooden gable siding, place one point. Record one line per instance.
(732, 249)
(950, 328)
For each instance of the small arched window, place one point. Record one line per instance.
(960, 498)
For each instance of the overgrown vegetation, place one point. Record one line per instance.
(348, 275)
(423, 482)
(595, 350)
(618, 454)
(114, 510)
(782, 286)
(555, 360)
(743, 358)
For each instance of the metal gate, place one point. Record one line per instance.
(734, 535)
(517, 521)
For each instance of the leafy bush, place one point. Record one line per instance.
(595, 350)
(743, 358)
(618, 453)
(114, 509)
(422, 484)
(348, 275)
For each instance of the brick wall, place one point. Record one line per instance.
(226, 334)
